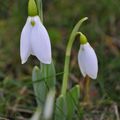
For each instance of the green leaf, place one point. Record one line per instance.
(49, 75)
(43, 80)
(72, 98)
(39, 85)
(60, 108)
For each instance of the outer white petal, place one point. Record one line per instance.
(89, 61)
(81, 62)
(40, 42)
(25, 41)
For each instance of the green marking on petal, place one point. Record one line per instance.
(32, 23)
(32, 8)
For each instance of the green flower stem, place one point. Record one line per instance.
(68, 53)
(40, 9)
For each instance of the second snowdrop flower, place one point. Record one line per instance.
(87, 59)
(34, 37)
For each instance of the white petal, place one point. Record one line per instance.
(89, 60)
(81, 62)
(25, 41)
(40, 42)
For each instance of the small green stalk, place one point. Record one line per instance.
(40, 9)
(32, 8)
(68, 53)
(83, 39)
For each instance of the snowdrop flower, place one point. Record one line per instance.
(87, 59)
(34, 37)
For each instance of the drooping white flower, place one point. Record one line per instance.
(87, 60)
(35, 41)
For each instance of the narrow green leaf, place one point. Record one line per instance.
(72, 101)
(43, 80)
(39, 85)
(49, 75)
(60, 108)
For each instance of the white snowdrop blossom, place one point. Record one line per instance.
(35, 41)
(87, 60)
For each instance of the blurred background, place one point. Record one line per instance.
(103, 32)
